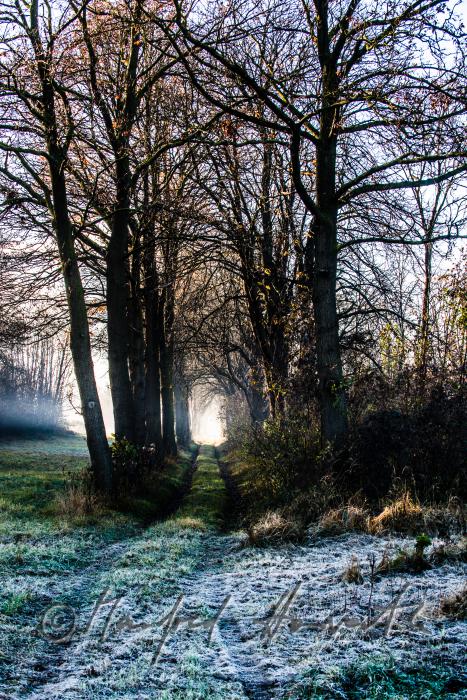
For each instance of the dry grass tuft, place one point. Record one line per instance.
(339, 520)
(402, 515)
(77, 501)
(455, 605)
(273, 528)
(190, 523)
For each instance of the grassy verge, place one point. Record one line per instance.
(37, 544)
(162, 492)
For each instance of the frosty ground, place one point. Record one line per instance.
(183, 609)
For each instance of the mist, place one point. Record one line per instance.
(22, 416)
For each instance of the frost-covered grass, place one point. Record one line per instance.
(46, 558)
(46, 562)
(184, 568)
(379, 678)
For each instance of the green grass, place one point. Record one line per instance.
(35, 540)
(30, 476)
(204, 506)
(162, 490)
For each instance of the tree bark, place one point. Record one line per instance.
(424, 341)
(152, 380)
(333, 402)
(137, 349)
(182, 413)
(117, 308)
(258, 406)
(322, 269)
(80, 340)
(166, 351)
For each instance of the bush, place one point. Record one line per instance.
(283, 459)
(131, 465)
(422, 447)
(408, 561)
(309, 505)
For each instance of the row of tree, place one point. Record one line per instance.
(234, 193)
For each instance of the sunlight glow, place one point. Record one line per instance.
(207, 424)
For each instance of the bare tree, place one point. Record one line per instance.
(37, 126)
(341, 81)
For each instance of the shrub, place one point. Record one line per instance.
(282, 458)
(421, 444)
(131, 465)
(309, 505)
(409, 561)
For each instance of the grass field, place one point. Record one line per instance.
(48, 559)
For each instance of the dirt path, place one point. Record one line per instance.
(181, 573)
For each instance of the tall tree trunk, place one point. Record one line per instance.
(152, 399)
(166, 363)
(80, 342)
(333, 403)
(323, 268)
(424, 340)
(117, 308)
(258, 406)
(182, 412)
(152, 402)
(137, 350)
